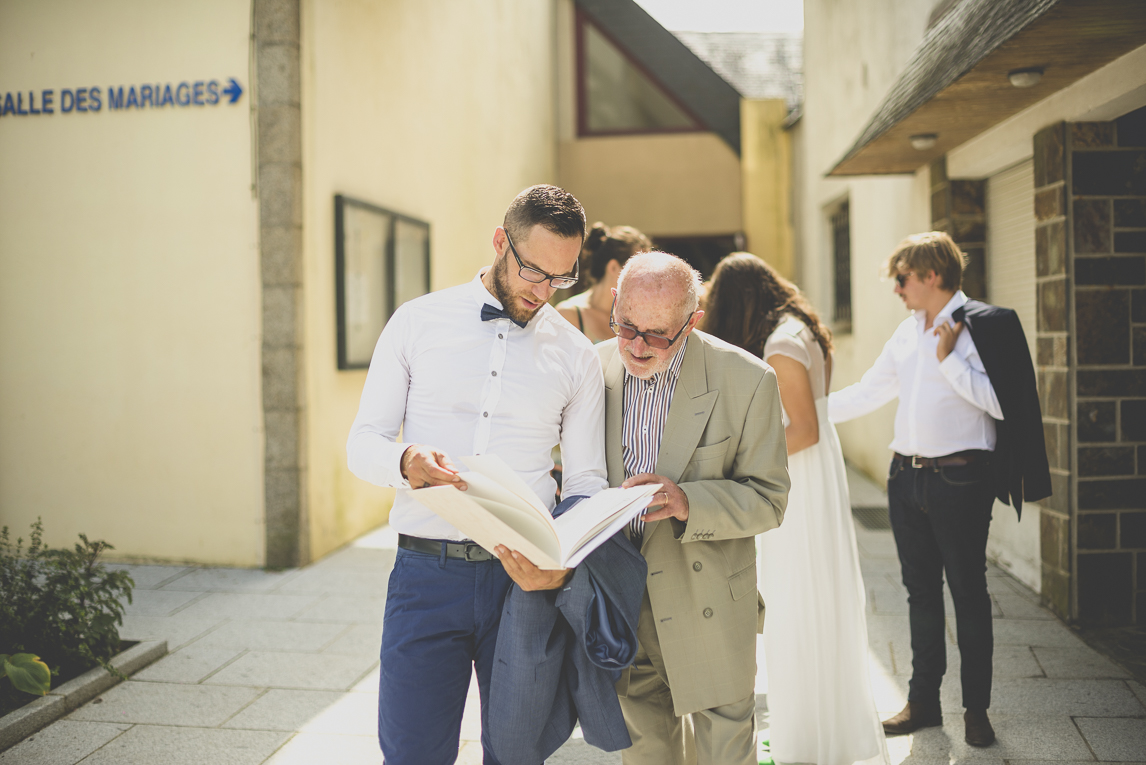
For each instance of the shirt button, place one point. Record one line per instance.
(485, 414)
(708, 613)
(494, 374)
(697, 566)
(500, 336)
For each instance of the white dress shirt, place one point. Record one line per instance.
(447, 379)
(943, 407)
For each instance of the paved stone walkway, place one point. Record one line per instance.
(282, 668)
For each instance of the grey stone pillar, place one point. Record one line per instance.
(279, 147)
(959, 207)
(1107, 192)
(1053, 365)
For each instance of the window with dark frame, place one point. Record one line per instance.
(381, 260)
(616, 95)
(842, 261)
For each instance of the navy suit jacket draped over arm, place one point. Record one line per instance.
(553, 665)
(1020, 460)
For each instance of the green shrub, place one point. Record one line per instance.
(26, 673)
(61, 605)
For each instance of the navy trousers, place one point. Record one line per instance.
(441, 623)
(940, 518)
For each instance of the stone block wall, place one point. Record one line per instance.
(279, 188)
(1052, 364)
(1106, 199)
(959, 207)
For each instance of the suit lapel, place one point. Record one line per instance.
(614, 403)
(692, 404)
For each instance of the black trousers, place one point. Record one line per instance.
(940, 518)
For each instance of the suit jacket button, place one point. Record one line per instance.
(697, 566)
(708, 613)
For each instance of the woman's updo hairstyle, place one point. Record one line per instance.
(618, 243)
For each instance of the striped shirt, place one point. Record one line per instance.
(645, 409)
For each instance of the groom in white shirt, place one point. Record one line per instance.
(940, 490)
(486, 367)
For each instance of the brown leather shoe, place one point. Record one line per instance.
(913, 717)
(977, 728)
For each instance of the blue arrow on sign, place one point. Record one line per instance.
(234, 90)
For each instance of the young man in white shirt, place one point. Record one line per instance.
(940, 488)
(486, 367)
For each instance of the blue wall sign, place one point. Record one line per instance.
(119, 97)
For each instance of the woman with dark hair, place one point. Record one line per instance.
(604, 254)
(820, 701)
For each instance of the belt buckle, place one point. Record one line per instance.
(478, 551)
(915, 461)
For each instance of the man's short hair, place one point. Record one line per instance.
(934, 251)
(666, 271)
(550, 207)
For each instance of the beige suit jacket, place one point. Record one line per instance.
(723, 444)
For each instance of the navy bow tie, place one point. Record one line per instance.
(489, 313)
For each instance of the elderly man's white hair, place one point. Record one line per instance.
(666, 272)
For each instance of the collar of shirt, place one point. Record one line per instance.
(958, 300)
(481, 295)
(671, 373)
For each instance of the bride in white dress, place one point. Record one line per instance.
(820, 703)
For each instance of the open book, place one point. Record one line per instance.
(499, 508)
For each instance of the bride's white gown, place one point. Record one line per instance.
(820, 704)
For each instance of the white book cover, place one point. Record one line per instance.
(499, 508)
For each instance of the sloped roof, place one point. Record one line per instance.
(677, 69)
(758, 64)
(955, 85)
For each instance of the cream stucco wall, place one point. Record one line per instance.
(674, 184)
(853, 54)
(129, 289)
(766, 180)
(439, 110)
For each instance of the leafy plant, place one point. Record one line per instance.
(63, 604)
(26, 673)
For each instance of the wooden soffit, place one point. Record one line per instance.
(956, 85)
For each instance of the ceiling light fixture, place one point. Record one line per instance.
(1025, 78)
(923, 141)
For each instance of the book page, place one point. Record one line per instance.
(525, 523)
(482, 524)
(495, 468)
(483, 487)
(592, 521)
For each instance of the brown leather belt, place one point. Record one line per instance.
(968, 457)
(468, 551)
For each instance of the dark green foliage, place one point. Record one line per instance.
(61, 605)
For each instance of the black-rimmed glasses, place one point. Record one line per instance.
(901, 279)
(626, 332)
(533, 276)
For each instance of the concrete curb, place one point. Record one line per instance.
(23, 722)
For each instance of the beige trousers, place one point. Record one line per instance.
(724, 735)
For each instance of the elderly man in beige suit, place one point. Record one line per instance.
(701, 417)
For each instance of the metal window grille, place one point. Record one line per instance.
(842, 257)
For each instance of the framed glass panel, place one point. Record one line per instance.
(616, 94)
(382, 259)
(411, 260)
(842, 267)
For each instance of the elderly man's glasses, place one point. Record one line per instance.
(626, 332)
(534, 276)
(901, 279)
